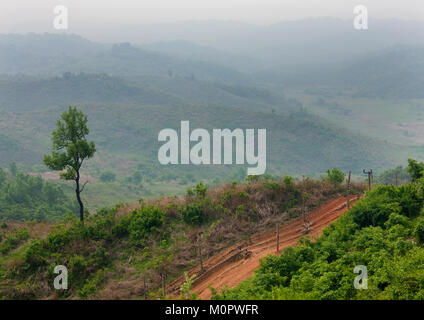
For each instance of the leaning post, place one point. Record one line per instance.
(348, 189)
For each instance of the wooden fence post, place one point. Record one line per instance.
(348, 189)
(199, 242)
(369, 173)
(145, 287)
(278, 237)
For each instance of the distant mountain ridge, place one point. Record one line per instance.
(52, 54)
(300, 42)
(27, 93)
(227, 46)
(396, 72)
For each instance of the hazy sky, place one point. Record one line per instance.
(37, 15)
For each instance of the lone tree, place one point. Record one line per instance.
(415, 169)
(335, 176)
(70, 149)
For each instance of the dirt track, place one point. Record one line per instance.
(232, 266)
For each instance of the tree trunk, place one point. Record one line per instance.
(145, 287)
(163, 283)
(78, 193)
(201, 258)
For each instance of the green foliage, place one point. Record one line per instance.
(397, 219)
(13, 169)
(71, 148)
(288, 181)
(144, 222)
(419, 230)
(388, 176)
(383, 201)
(25, 198)
(12, 241)
(92, 284)
(335, 176)
(192, 214)
(81, 248)
(70, 137)
(252, 179)
(200, 190)
(415, 169)
(187, 286)
(2, 176)
(34, 256)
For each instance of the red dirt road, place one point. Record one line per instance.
(232, 266)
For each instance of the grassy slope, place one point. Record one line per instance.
(380, 118)
(109, 257)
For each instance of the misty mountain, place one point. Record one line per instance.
(31, 94)
(291, 43)
(396, 72)
(51, 54)
(192, 51)
(130, 93)
(24, 93)
(12, 150)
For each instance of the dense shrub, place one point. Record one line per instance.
(192, 214)
(200, 190)
(34, 256)
(386, 200)
(415, 169)
(144, 222)
(12, 241)
(419, 231)
(335, 176)
(25, 198)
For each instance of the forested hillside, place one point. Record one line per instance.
(23, 93)
(310, 144)
(384, 232)
(396, 72)
(19, 94)
(27, 198)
